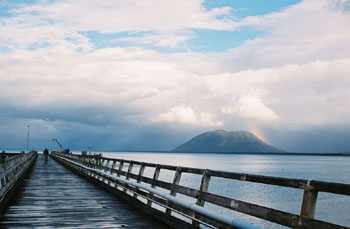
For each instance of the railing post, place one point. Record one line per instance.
(13, 168)
(121, 165)
(309, 201)
(3, 181)
(203, 188)
(89, 161)
(2, 169)
(102, 164)
(142, 169)
(155, 177)
(176, 181)
(131, 164)
(106, 165)
(92, 162)
(113, 166)
(85, 160)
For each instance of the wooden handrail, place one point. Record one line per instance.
(336, 188)
(11, 170)
(305, 219)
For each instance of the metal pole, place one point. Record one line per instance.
(28, 138)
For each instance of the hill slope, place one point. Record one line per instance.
(221, 141)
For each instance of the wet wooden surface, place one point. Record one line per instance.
(52, 196)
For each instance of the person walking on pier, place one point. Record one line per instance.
(46, 153)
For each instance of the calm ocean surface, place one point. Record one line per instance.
(330, 207)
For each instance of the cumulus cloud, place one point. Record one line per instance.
(251, 107)
(186, 115)
(136, 85)
(293, 76)
(302, 33)
(172, 39)
(166, 21)
(112, 16)
(343, 5)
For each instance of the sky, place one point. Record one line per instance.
(149, 75)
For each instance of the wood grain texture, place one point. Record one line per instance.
(52, 196)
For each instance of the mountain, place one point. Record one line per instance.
(220, 141)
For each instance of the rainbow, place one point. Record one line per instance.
(258, 132)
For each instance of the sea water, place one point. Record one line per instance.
(330, 207)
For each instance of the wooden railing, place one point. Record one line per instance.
(110, 168)
(12, 168)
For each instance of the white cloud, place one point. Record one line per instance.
(112, 16)
(169, 22)
(171, 40)
(296, 74)
(343, 5)
(302, 33)
(186, 115)
(251, 107)
(144, 85)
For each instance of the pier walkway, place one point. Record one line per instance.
(51, 196)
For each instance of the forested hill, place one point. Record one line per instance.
(221, 141)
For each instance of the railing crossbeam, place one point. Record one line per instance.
(192, 211)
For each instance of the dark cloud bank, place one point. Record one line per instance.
(137, 137)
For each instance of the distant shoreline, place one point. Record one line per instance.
(228, 153)
(241, 153)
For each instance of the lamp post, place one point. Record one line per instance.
(28, 138)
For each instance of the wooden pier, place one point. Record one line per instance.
(53, 196)
(121, 196)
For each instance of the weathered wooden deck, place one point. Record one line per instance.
(52, 196)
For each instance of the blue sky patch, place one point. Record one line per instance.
(4, 49)
(105, 40)
(7, 6)
(203, 40)
(110, 40)
(218, 41)
(4, 11)
(35, 46)
(244, 8)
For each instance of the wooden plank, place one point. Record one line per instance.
(112, 168)
(22, 165)
(166, 217)
(107, 165)
(141, 171)
(158, 215)
(336, 188)
(131, 165)
(272, 215)
(282, 218)
(203, 188)
(176, 181)
(54, 197)
(121, 165)
(155, 178)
